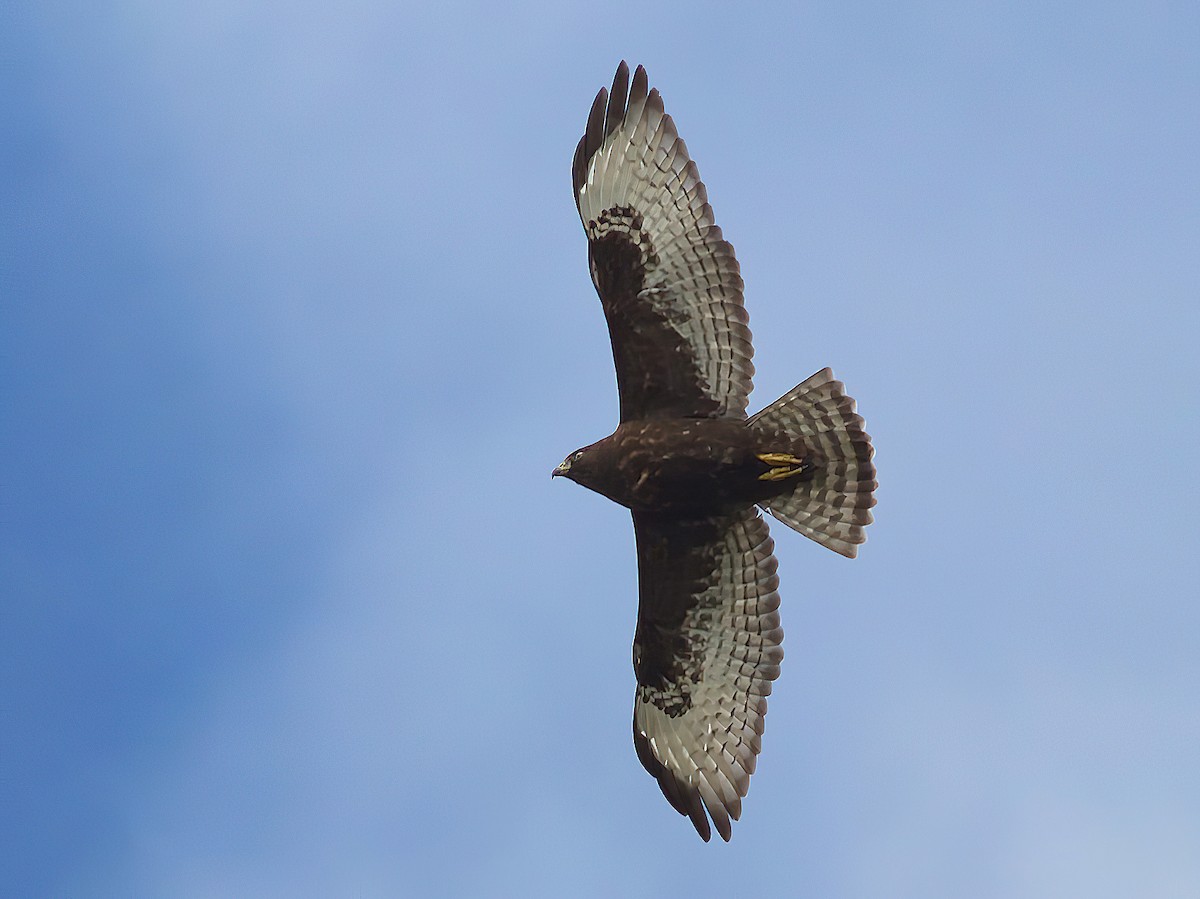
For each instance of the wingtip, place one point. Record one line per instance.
(599, 102)
(640, 86)
(700, 822)
(594, 133)
(617, 98)
(721, 820)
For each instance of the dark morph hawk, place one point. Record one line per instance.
(689, 463)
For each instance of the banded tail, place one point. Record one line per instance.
(833, 507)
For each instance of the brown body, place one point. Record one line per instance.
(687, 467)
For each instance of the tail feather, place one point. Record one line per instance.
(833, 507)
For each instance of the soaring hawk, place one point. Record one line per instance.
(690, 465)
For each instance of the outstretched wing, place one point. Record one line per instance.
(706, 650)
(668, 281)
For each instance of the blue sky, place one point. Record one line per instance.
(297, 321)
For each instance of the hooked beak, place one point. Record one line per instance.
(561, 469)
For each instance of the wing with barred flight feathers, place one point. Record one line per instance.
(707, 647)
(668, 281)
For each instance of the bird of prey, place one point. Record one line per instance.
(688, 462)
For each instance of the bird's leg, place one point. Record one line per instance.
(785, 466)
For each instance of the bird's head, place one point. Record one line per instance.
(572, 461)
(589, 467)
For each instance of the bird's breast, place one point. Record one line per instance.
(686, 467)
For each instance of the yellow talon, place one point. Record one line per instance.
(779, 459)
(778, 474)
(785, 466)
